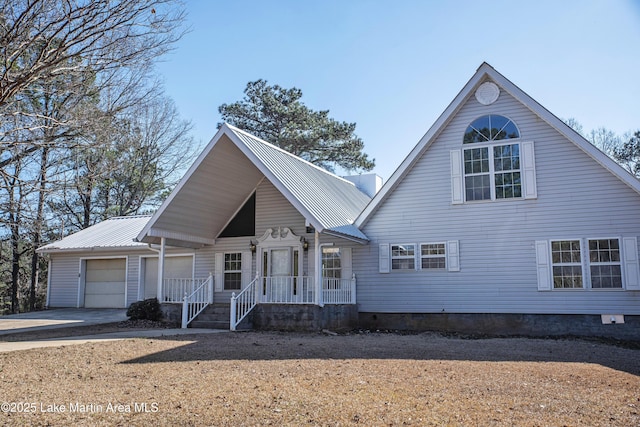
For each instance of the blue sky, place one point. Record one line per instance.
(392, 67)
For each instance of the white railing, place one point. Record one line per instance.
(173, 290)
(243, 303)
(196, 301)
(339, 291)
(287, 290)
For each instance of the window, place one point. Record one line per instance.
(433, 256)
(490, 128)
(331, 263)
(492, 171)
(403, 257)
(233, 271)
(567, 264)
(604, 262)
(601, 270)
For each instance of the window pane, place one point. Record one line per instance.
(490, 128)
(232, 281)
(567, 267)
(433, 263)
(402, 250)
(403, 264)
(604, 257)
(433, 249)
(567, 277)
(606, 276)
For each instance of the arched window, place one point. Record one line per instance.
(491, 127)
(492, 166)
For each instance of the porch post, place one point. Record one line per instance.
(161, 269)
(318, 266)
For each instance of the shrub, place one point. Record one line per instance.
(148, 309)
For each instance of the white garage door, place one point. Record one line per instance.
(175, 267)
(105, 282)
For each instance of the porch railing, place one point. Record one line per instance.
(173, 290)
(287, 290)
(243, 303)
(196, 301)
(339, 291)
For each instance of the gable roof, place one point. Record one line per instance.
(113, 233)
(222, 179)
(483, 72)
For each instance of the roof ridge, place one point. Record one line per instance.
(298, 158)
(129, 216)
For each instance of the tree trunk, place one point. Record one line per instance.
(37, 229)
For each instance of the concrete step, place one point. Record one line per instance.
(220, 309)
(209, 324)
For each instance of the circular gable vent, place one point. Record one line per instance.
(487, 93)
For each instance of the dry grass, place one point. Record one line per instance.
(259, 378)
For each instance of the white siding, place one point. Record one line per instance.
(576, 197)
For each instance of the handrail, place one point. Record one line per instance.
(193, 304)
(243, 303)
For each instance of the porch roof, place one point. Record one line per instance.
(229, 170)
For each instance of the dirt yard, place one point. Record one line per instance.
(370, 379)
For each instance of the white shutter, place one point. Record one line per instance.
(345, 263)
(543, 265)
(384, 258)
(219, 272)
(528, 163)
(246, 268)
(453, 255)
(630, 256)
(456, 177)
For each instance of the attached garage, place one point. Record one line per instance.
(105, 283)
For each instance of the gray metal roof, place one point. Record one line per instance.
(117, 232)
(227, 172)
(332, 201)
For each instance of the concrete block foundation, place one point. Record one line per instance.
(303, 317)
(497, 324)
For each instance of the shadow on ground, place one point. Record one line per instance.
(424, 346)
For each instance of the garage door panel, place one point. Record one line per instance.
(105, 275)
(104, 301)
(105, 281)
(103, 288)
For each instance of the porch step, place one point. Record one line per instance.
(209, 324)
(216, 312)
(214, 316)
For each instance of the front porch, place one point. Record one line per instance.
(196, 294)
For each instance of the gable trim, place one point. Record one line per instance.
(486, 71)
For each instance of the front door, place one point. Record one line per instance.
(280, 271)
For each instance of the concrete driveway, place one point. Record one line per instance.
(59, 318)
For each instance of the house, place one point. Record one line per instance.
(502, 219)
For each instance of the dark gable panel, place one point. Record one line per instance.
(244, 223)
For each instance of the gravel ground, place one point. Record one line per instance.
(372, 379)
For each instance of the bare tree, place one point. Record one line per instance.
(70, 72)
(88, 42)
(94, 36)
(127, 166)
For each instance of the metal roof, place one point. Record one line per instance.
(228, 171)
(114, 233)
(330, 200)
